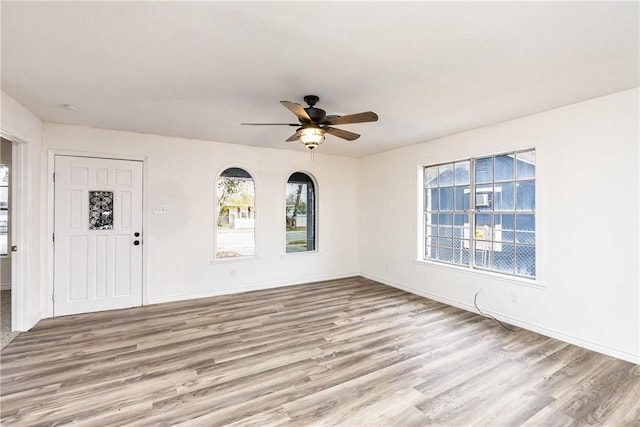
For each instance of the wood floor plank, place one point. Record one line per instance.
(341, 352)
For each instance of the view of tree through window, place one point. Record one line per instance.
(300, 214)
(501, 213)
(235, 228)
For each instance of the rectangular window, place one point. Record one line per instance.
(4, 209)
(480, 213)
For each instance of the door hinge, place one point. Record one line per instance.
(54, 177)
(53, 298)
(53, 237)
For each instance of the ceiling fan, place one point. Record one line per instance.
(314, 123)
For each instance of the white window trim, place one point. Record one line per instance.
(536, 281)
(256, 247)
(316, 195)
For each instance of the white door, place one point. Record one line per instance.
(98, 234)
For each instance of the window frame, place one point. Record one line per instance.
(311, 180)
(472, 212)
(216, 239)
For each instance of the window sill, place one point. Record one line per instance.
(299, 254)
(235, 259)
(532, 283)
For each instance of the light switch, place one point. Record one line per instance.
(161, 210)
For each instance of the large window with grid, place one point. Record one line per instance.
(480, 213)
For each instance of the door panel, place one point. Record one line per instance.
(98, 208)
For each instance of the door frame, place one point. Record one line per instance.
(51, 154)
(20, 233)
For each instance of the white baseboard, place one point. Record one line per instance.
(260, 286)
(618, 354)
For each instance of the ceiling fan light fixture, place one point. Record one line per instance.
(311, 137)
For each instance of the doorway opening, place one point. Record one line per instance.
(6, 274)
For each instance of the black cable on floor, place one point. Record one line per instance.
(475, 298)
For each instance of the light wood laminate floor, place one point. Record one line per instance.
(348, 352)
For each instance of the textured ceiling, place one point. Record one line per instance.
(199, 69)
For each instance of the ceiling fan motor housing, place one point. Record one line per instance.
(316, 114)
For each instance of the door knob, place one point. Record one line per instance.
(14, 249)
(136, 234)
(136, 242)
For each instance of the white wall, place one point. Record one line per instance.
(587, 224)
(585, 296)
(181, 174)
(19, 124)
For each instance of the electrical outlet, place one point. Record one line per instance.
(514, 297)
(233, 272)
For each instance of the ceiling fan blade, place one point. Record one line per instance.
(349, 136)
(270, 124)
(293, 137)
(368, 116)
(298, 110)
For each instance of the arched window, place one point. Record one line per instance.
(300, 216)
(235, 228)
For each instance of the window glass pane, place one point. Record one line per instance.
(526, 165)
(431, 177)
(526, 196)
(483, 255)
(445, 242)
(446, 224)
(459, 220)
(526, 260)
(484, 170)
(461, 227)
(446, 199)
(429, 227)
(4, 175)
(432, 220)
(430, 252)
(431, 199)
(235, 229)
(462, 198)
(446, 175)
(462, 173)
(4, 205)
(484, 224)
(525, 231)
(445, 254)
(4, 197)
(100, 210)
(504, 196)
(484, 198)
(503, 257)
(300, 213)
(504, 228)
(4, 230)
(504, 168)
(461, 253)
